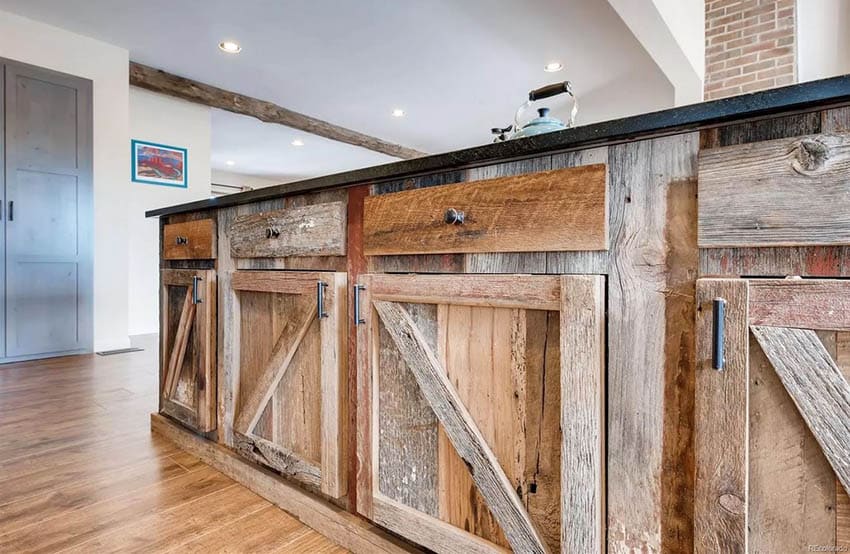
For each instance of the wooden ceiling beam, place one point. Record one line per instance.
(156, 80)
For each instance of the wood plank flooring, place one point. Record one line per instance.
(80, 470)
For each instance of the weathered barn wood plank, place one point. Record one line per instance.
(582, 413)
(784, 192)
(229, 331)
(314, 230)
(791, 486)
(722, 422)
(265, 452)
(159, 81)
(333, 368)
(467, 440)
(802, 303)
(819, 389)
(181, 343)
(551, 210)
(195, 239)
(842, 498)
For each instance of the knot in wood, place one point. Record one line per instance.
(732, 503)
(810, 155)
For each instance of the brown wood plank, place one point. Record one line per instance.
(291, 282)
(193, 91)
(263, 387)
(277, 457)
(366, 442)
(190, 240)
(181, 343)
(803, 303)
(314, 230)
(550, 211)
(540, 292)
(785, 192)
(722, 422)
(842, 359)
(583, 413)
(333, 331)
(347, 529)
(467, 440)
(819, 389)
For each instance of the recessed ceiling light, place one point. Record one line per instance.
(297, 142)
(231, 163)
(552, 67)
(398, 112)
(230, 46)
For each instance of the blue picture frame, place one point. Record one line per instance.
(152, 163)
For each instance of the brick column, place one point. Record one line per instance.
(750, 45)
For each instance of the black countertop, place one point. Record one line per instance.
(804, 96)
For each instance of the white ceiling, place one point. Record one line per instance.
(457, 67)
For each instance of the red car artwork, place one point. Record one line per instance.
(159, 164)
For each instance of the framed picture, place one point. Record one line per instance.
(158, 164)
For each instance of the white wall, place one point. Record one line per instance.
(163, 120)
(38, 44)
(823, 41)
(240, 179)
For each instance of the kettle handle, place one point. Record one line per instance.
(550, 90)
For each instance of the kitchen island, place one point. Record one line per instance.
(539, 345)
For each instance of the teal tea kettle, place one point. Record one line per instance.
(543, 123)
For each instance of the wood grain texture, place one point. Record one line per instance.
(785, 192)
(722, 422)
(434, 534)
(190, 240)
(550, 211)
(314, 230)
(277, 457)
(333, 334)
(159, 81)
(466, 439)
(802, 303)
(346, 529)
(819, 389)
(842, 498)
(583, 413)
(791, 486)
(366, 408)
(497, 291)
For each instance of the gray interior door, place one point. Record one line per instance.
(48, 212)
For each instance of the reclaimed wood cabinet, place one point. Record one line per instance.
(772, 458)
(288, 334)
(465, 384)
(187, 339)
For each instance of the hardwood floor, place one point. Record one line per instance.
(81, 472)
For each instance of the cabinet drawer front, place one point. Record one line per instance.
(558, 210)
(317, 230)
(190, 240)
(785, 192)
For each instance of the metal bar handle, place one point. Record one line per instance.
(357, 319)
(196, 298)
(320, 299)
(718, 330)
(11, 210)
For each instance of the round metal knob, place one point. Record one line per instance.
(182, 240)
(454, 217)
(271, 232)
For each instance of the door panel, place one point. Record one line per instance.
(461, 410)
(48, 208)
(290, 398)
(187, 336)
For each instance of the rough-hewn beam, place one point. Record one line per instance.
(173, 85)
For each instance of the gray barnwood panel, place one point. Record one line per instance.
(722, 422)
(819, 389)
(801, 303)
(785, 192)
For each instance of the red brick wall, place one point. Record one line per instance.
(749, 46)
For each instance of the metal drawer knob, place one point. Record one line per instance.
(182, 240)
(454, 217)
(272, 233)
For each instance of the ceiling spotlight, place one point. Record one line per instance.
(297, 142)
(230, 163)
(398, 112)
(552, 67)
(229, 46)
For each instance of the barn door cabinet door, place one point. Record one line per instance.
(772, 439)
(188, 321)
(464, 385)
(290, 393)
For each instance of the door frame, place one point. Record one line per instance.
(580, 299)
(85, 209)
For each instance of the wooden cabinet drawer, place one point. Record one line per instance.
(785, 192)
(464, 385)
(190, 240)
(315, 230)
(188, 343)
(566, 209)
